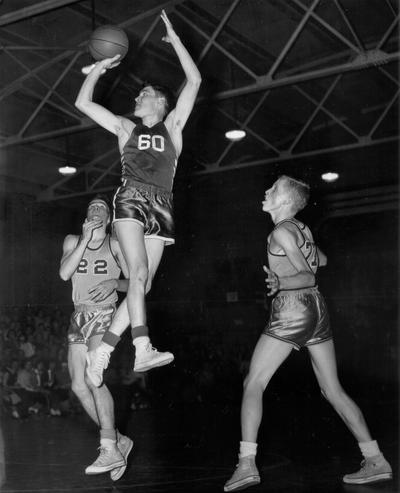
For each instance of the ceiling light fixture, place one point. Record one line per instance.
(235, 135)
(67, 170)
(330, 176)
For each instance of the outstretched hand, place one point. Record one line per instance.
(102, 65)
(272, 281)
(170, 30)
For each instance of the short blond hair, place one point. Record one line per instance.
(299, 191)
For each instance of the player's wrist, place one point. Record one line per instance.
(174, 38)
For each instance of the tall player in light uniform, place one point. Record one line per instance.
(143, 203)
(298, 318)
(93, 262)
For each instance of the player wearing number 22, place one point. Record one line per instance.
(93, 261)
(143, 219)
(298, 318)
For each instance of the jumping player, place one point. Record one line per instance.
(143, 203)
(93, 262)
(298, 318)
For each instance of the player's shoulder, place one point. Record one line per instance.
(70, 241)
(285, 227)
(284, 231)
(71, 238)
(127, 125)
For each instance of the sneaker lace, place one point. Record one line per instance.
(102, 360)
(103, 452)
(365, 464)
(150, 348)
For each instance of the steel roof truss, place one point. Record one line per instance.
(49, 93)
(314, 113)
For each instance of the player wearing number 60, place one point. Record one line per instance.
(143, 203)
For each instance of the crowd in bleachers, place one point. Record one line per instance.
(35, 380)
(34, 370)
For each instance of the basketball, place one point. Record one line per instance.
(108, 41)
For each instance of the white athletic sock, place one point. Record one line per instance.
(140, 343)
(247, 448)
(108, 443)
(369, 449)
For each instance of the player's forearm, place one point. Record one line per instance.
(192, 73)
(304, 279)
(85, 95)
(70, 263)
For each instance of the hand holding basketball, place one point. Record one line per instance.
(103, 65)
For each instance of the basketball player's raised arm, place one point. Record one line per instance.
(84, 101)
(178, 117)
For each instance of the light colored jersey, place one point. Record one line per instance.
(97, 264)
(278, 261)
(149, 156)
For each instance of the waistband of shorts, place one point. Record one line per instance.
(93, 308)
(294, 292)
(131, 182)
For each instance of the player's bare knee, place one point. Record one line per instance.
(89, 383)
(254, 383)
(79, 387)
(332, 395)
(139, 274)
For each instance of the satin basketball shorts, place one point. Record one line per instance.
(88, 321)
(147, 205)
(299, 317)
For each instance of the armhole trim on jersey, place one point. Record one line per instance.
(275, 254)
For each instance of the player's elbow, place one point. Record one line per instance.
(81, 104)
(195, 80)
(63, 275)
(310, 279)
(322, 259)
(198, 80)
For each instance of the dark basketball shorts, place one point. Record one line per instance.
(299, 317)
(147, 205)
(88, 321)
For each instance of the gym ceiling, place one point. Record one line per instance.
(314, 83)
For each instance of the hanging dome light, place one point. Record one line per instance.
(235, 135)
(330, 176)
(67, 170)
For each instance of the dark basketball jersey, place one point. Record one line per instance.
(96, 265)
(279, 262)
(149, 156)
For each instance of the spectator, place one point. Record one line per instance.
(26, 346)
(32, 394)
